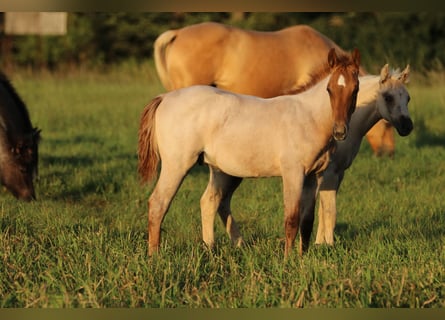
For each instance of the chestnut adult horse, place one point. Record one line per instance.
(263, 64)
(241, 136)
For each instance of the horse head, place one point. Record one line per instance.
(19, 165)
(393, 99)
(343, 87)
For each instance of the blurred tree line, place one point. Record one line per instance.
(101, 39)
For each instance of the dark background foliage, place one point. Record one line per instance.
(101, 39)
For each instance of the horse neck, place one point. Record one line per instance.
(319, 105)
(366, 115)
(14, 117)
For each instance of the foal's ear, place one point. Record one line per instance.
(384, 73)
(404, 76)
(332, 58)
(356, 57)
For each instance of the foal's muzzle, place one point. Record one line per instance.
(404, 126)
(340, 132)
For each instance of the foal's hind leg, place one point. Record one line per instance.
(168, 184)
(229, 185)
(217, 197)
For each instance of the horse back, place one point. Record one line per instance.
(264, 64)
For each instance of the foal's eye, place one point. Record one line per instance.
(388, 98)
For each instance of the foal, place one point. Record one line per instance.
(242, 136)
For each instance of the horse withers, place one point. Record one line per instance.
(241, 136)
(18, 144)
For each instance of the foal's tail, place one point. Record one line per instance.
(160, 47)
(148, 154)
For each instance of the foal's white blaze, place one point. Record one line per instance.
(341, 81)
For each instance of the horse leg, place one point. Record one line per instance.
(310, 187)
(229, 184)
(209, 202)
(170, 178)
(327, 211)
(381, 138)
(216, 198)
(292, 189)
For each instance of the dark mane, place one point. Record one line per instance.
(20, 110)
(322, 72)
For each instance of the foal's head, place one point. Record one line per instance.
(393, 98)
(343, 88)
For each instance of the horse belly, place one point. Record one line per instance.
(239, 161)
(244, 149)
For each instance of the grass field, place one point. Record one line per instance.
(83, 243)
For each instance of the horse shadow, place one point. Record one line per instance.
(62, 167)
(425, 137)
(349, 233)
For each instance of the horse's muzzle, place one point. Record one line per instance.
(340, 132)
(404, 126)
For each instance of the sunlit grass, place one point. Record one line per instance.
(83, 243)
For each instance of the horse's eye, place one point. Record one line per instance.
(329, 90)
(388, 98)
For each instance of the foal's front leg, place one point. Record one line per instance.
(309, 194)
(327, 210)
(292, 190)
(327, 213)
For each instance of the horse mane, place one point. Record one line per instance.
(319, 74)
(20, 107)
(365, 97)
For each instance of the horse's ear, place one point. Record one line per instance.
(36, 134)
(384, 73)
(332, 58)
(404, 76)
(356, 57)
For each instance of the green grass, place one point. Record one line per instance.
(83, 243)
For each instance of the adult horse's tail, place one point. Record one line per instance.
(148, 154)
(160, 47)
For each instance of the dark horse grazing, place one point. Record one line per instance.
(18, 144)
